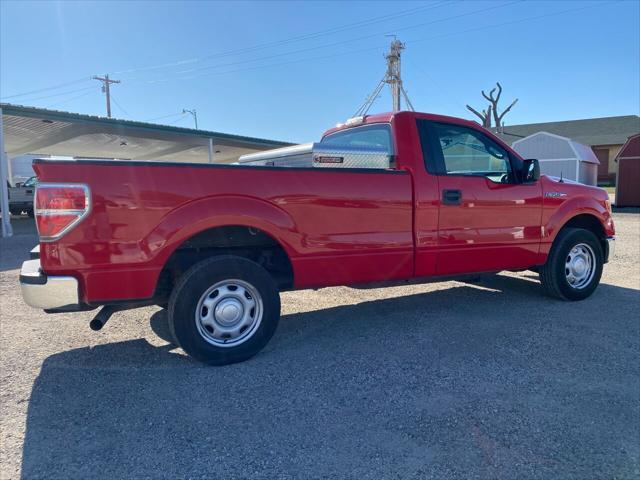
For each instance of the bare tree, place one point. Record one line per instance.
(492, 109)
(485, 116)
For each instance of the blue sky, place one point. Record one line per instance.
(563, 60)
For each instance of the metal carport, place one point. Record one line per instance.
(50, 132)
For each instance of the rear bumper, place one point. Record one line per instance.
(48, 292)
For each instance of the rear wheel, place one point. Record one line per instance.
(224, 310)
(574, 265)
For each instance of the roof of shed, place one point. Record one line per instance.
(549, 146)
(590, 131)
(631, 148)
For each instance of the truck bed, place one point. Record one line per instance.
(338, 226)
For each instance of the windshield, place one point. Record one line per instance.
(31, 182)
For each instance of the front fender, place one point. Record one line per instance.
(573, 207)
(217, 211)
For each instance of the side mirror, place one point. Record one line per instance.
(530, 170)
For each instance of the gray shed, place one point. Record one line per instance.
(560, 156)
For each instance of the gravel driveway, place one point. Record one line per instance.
(444, 380)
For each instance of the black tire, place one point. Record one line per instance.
(552, 273)
(192, 286)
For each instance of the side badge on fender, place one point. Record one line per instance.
(555, 194)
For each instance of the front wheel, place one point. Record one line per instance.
(224, 310)
(574, 266)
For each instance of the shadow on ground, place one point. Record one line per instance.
(468, 382)
(15, 250)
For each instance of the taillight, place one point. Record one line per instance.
(59, 208)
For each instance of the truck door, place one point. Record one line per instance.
(488, 220)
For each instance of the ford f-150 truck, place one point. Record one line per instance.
(215, 244)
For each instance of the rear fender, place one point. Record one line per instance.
(203, 214)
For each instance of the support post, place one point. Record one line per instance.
(210, 150)
(7, 231)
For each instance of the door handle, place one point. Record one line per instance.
(451, 197)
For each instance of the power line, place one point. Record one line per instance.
(169, 78)
(454, 101)
(308, 36)
(306, 59)
(358, 24)
(53, 87)
(163, 117)
(342, 28)
(257, 67)
(483, 27)
(362, 23)
(68, 100)
(342, 42)
(60, 94)
(184, 115)
(269, 57)
(509, 22)
(118, 105)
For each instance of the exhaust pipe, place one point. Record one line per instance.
(102, 317)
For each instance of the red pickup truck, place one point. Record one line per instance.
(216, 244)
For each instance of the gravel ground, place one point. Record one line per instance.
(445, 380)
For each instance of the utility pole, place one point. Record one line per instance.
(393, 78)
(106, 82)
(193, 114)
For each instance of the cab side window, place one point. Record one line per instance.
(465, 151)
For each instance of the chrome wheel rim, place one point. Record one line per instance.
(579, 267)
(229, 313)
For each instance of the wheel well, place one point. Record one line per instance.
(591, 223)
(247, 242)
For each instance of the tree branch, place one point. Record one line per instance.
(487, 122)
(477, 113)
(490, 96)
(499, 91)
(507, 110)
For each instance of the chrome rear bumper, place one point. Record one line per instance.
(47, 292)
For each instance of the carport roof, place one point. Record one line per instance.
(42, 131)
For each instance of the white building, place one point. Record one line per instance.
(560, 156)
